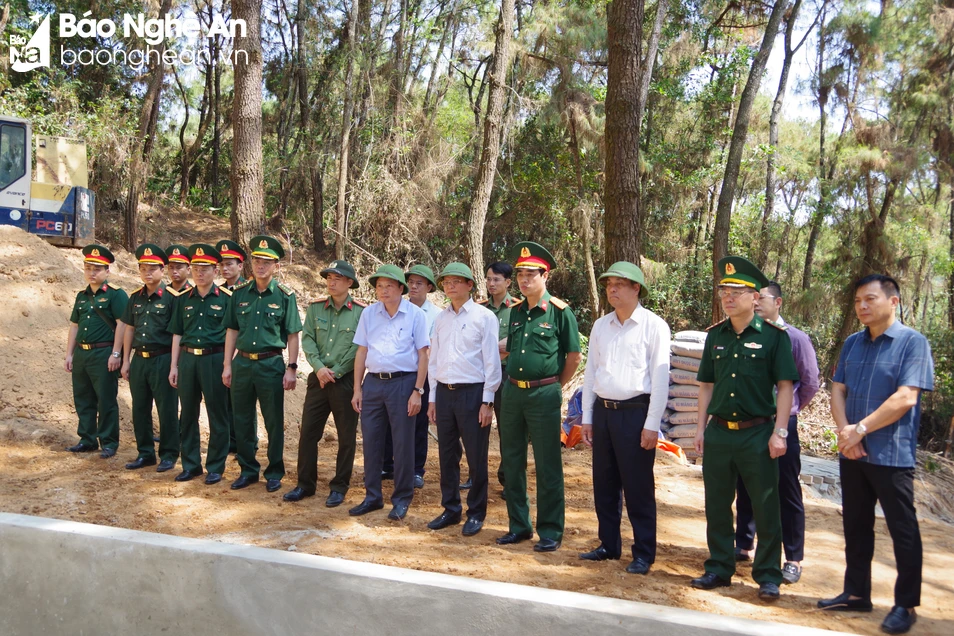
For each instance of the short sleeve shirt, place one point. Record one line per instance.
(87, 307)
(263, 319)
(872, 370)
(393, 342)
(199, 320)
(744, 368)
(539, 339)
(149, 316)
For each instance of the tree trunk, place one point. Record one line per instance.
(216, 133)
(341, 218)
(720, 243)
(950, 277)
(487, 168)
(248, 215)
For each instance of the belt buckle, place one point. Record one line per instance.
(610, 404)
(85, 347)
(733, 426)
(253, 356)
(145, 354)
(523, 384)
(385, 376)
(451, 387)
(197, 352)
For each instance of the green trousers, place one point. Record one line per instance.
(259, 382)
(200, 377)
(94, 394)
(148, 382)
(533, 414)
(728, 456)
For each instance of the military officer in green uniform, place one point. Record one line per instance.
(89, 360)
(179, 267)
(233, 259)
(262, 320)
(327, 340)
(198, 343)
(744, 360)
(544, 347)
(147, 346)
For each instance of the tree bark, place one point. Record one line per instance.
(720, 243)
(248, 214)
(487, 168)
(341, 218)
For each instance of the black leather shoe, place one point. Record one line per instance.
(740, 555)
(364, 508)
(503, 495)
(271, 485)
(297, 494)
(334, 499)
(443, 520)
(898, 621)
(638, 566)
(546, 545)
(512, 538)
(710, 581)
(213, 478)
(791, 573)
(140, 462)
(599, 554)
(244, 482)
(386, 475)
(467, 484)
(472, 526)
(165, 465)
(188, 475)
(768, 591)
(418, 481)
(844, 603)
(82, 448)
(107, 453)
(398, 512)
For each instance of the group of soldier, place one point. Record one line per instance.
(402, 364)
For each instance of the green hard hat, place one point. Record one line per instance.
(341, 268)
(456, 269)
(267, 247)
(424, 272)
(151, 254)
(98, 255)
(389, 271)
(736, 271)
(530, 255)
(629, 271)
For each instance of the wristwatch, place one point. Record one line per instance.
(420, 390)
(293, 366)
(116, 354)
(490, 404)
(862, 429)
(782, 432)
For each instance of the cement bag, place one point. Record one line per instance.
(690, 336)
(684, 363)
(683, 404)
(680, 376)
(688, 349)
(686, 442)
(685, 417)
(684, 430)
(683, 391)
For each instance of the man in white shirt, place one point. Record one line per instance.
(625, 388)
(464, 368)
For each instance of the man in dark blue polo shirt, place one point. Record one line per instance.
(876, 405)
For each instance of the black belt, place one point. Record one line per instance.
(153, 353)
(530, 384)
(260, 356)
(738, 426)
(621, 405)
(205, 352)
(95, 345)
(391, 376)
(460, 387)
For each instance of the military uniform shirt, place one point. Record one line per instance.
(109, 299)
(263, 320)
(745, 368)
(539, 339)
(240, 281)
(199, 320)
(149, 316)
(502, 313)
(328, 337)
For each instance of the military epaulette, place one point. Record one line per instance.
(559, 304)
(359, 303)
(323, 299)
(138, 290)
(715, 325)
(777, 326)
(174, 293)
(226, 291)
(116, 287)
(244, 285)
(286, 289)
(517, 302)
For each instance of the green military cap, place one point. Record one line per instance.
(231, 249)
(341, 268)
(389, 271)
(736, 271)
(267, 247)
(151, 254)
(457, 269)
(629, 271)
(424, 272)
(529, 255)
(97, 255)
(204, 254)
(177, 253)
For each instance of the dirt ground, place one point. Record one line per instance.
(38, 477)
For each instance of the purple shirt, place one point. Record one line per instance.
(807, 365)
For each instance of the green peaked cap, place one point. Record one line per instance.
(735, 271)
(231, 249)
(267, 247)
(151, 254)
(97, 255)
(530, 255)
(204, 254)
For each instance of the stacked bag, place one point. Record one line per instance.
(682, 410)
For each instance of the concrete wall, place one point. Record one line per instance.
(61, 577)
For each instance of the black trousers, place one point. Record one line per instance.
(457, 421)
(790, 496)
(622, 467)
(498, 405)
(384, 404)
(334, 399)
(863, 484)
(420, 438)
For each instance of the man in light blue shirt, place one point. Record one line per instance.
(393, 347)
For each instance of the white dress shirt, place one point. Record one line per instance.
(431, 312)
(627, 360)
(464, 349)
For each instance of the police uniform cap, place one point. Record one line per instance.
(341, 268)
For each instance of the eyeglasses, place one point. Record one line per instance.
(767, 297)
(733, 293)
